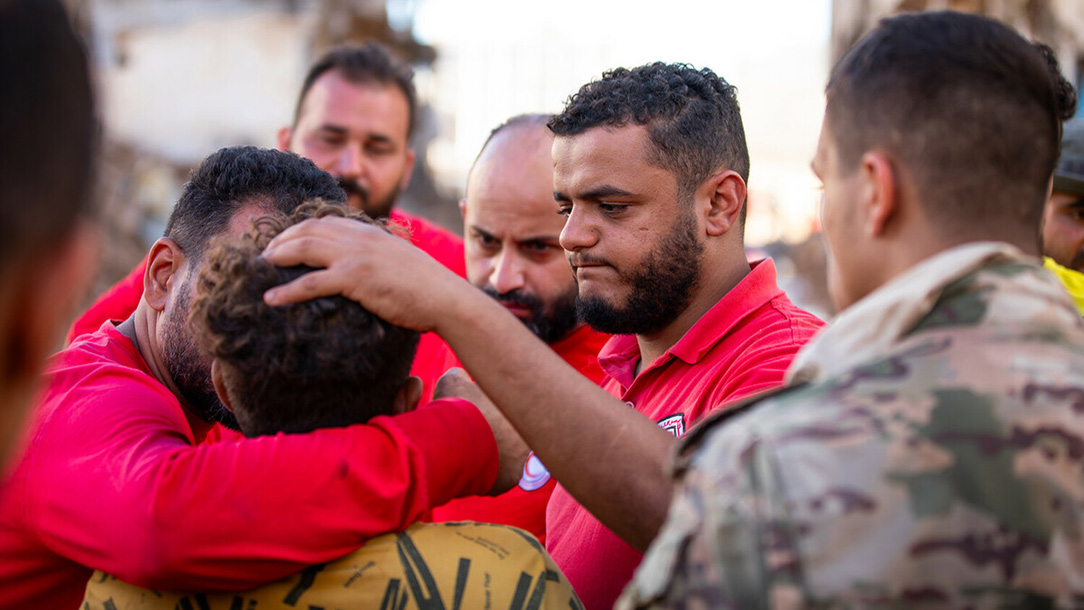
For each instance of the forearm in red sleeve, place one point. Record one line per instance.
(151, 509)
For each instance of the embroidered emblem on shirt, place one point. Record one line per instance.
(535, 474)
(675, 424)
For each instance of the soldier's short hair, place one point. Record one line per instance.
(971, 108)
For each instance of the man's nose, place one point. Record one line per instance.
(507, 274)
(350, 164)
(579, 231)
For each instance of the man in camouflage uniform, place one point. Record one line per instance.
(927, 451)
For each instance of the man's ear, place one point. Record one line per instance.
(409, 396)
(282, 139)
(163, 263)
(725, 197)
(220, 384)
(408, 169)
(880, 192)
(463, 209)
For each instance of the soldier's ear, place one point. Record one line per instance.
(880, 192)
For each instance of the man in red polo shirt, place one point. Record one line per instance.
(514, 255)
(355, 115)
(650, 167)
(120, 473)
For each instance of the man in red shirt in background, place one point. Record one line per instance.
(650, 167)
(514, 255)
(355, 115)
(120, 474)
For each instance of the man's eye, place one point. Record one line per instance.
(329, 140)
(564, 211)
(611, 208)
(485, 241)
(537, 247)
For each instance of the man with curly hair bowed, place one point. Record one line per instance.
(127, 471)
(650, 167)
(329, 363)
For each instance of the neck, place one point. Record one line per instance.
(715, 282)
(140, 329)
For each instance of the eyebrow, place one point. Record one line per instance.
(599, 192)
(533, 238)
(482, 232)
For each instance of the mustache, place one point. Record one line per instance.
(579, 259)
(353, 188)
(515, 297)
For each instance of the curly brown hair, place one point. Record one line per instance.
(322, 363)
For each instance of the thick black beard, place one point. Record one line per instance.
(190, 370)
(551, 322)
(662, 287)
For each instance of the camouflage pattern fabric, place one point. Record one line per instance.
(428, 567)
(943, 472)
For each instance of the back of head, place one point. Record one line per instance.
(278, 181)
(970, 109)
(47, 128)
(692, 118)
(365, 64)
(317, 364)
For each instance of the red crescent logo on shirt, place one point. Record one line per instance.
(675, 424)
(535, 474)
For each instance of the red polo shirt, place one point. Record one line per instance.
(525, 505)
(120, 301)
(438, 242)
(741, 346)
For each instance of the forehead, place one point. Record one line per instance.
(607, 156)
(511, 185)
(333, 101)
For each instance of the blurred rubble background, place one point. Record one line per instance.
(178, 79)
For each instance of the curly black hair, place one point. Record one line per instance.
(692, 118)
(322, 363)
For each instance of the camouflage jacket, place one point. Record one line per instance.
(927, 454)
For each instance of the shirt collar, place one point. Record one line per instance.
(620, 355)
(880, 319)
(756, 289)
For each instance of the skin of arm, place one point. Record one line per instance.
(608, 456)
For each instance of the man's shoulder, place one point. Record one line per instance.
(102, 369)
(440, 243)
(425, 231)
